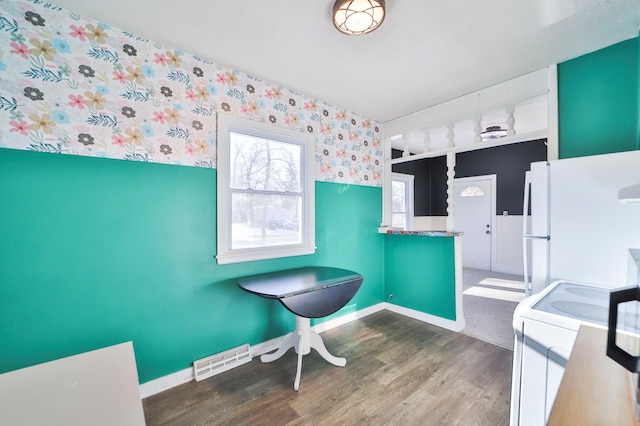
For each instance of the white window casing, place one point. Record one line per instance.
(406, 209)
(281, 231)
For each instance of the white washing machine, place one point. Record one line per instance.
(546, 326)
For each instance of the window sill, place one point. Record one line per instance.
(262, 254)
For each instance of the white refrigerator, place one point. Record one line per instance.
(578, 243)
(585, 218)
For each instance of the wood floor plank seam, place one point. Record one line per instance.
(399, 371)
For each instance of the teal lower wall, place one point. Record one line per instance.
(420, 274)
(95, 252)
(598, 100)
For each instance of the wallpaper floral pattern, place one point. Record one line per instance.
(76, 86)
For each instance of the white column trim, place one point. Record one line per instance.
(451, 173)
(387, 219)
(553, 138)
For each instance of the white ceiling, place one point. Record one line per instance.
(426, 52)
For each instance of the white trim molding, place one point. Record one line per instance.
(229, 125)
(164, 383)
(452, 325)
(178, 378)
(169, 381)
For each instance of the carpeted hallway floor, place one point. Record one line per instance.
(489, 299)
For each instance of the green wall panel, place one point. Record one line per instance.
(420, 274)
(598, 96)
(347, 220)
(95, 252)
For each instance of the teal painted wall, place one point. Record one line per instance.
(420, 274)
(599, 98)
(94, 252)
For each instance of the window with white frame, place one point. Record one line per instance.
(266, 197)
(402, 200)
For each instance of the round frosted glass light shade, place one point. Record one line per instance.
(493, 132)
(357, 17)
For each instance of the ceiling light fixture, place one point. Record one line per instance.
(493, 132)
(357, 17)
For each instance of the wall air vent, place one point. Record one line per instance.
(221, 362)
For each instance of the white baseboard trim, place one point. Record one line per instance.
(456, 326)
(345, 319)
(273, 344)
(164, 383)
(169, 381)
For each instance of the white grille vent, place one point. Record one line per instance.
(218, 363)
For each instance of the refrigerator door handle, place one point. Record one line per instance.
(536, 237)
(525, 203)
(525, 229)
(527, 281)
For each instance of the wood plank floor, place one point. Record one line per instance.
(399, 372)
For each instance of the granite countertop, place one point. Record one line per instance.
(421, 233)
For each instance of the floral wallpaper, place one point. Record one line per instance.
(76, 86)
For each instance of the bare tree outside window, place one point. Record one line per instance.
(402, 200)
(398, 195)
(266, 191)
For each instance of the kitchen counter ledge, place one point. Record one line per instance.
(420, 233)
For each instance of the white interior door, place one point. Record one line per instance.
(473, 214)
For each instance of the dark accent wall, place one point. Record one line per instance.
(430, 178)
(508, 162)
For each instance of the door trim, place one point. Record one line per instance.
(493, 180)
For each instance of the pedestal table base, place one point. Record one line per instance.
(303, 339)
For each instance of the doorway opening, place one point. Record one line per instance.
(475, 211)
(489, 298)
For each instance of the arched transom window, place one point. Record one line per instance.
(472, 191)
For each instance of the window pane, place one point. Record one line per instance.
(261, 220)
(472, 191)
(399, 220)
(264, 164)
(398, 195)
